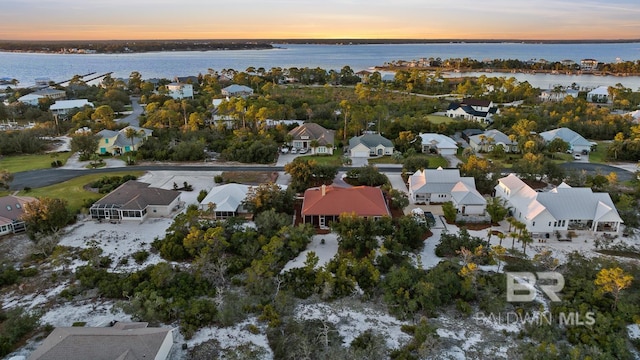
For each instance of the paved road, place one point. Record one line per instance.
(46, 177)
(132, 118)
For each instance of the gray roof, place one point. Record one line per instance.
(370, 141)
(123, 341)
(565, 202)
(121, 136)
(235, 88)
(497, 136)
(226, 197)
(313, 131)
(566, 134)
(438, 181)
(136, 195)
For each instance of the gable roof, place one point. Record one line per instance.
(438, 181)
(361, 200)
(600, 90)
(226, 197)
(370, 141)
(566, 134)
(313, 131)
(465, 194)
(121, 135)
(476, 102)
(123, 341)
(136, 195)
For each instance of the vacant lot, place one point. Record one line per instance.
(16, 164)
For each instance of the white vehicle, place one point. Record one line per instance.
(284, 150)
(294, 151)
(577, 157)
(303, 151)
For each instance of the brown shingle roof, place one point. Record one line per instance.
(313, 131)
(136, 195)
(361, 200)
(12, 207)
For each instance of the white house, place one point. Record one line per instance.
(557, 94)
(369, 144)
(599, 95)
(561, 209)
(48, 93)
(489, 139)
(11, 211)
(576, 142)
(180, 90)
(473, 109)
(63, 107)
(438, 186)
(225, 201)
(236, 90)
(439, 144)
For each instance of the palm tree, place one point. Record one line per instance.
(131, 134)
(501, 236)
(526, 238)
(314, 144)
(513, 235)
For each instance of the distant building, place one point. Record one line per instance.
(598, 95)
(588, 64)
(63, 107)
(486, 141)
(117, 142)
(478, 110)
(48, 93)
(180, 90)
(237, 91)
(576, 142)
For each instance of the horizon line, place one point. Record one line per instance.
(426, 40)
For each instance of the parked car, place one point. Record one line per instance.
(577, 157)
(294, 151)
(303, 151)
(431, 220)
(284, 150)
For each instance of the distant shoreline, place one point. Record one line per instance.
(506, 71)
(141, 46)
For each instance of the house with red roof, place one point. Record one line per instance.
(323, 205)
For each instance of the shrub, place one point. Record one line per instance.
(140, 256)
(202, 194)
(218, 179)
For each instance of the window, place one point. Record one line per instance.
(106, 141)
(533, 223)
(549, 223)
(17, 206)
(9, 207)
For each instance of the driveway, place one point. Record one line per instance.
(132, 118)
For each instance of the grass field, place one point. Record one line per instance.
(599, 155)
(73, 190)
(20, 163)
(435, 161)
(439, 119)
(335, 159)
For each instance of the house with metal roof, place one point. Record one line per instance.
(225, 201)
(478, 110)
(561, 209)
(437, 186)
(599, 95)
(47, 93)
(236, 90)
(63, 107)
(438, 144)
(11, 210)
(122, 341)
(323, 205)
(117, 142)
(486, 141)
(307, 134)
(370, 144)
(135, 200)
(576, 142)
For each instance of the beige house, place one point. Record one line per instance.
(309, 134)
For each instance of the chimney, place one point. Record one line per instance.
(324, 189)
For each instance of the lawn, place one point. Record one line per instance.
(335, 159)
(73, 190)
(435, 161)
(249, 177)
(20, 163)
(439, 119)
(599, 154)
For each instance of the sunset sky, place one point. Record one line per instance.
(302, 19)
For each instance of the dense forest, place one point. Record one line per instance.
(127, 46)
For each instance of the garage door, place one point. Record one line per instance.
(359, 153)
